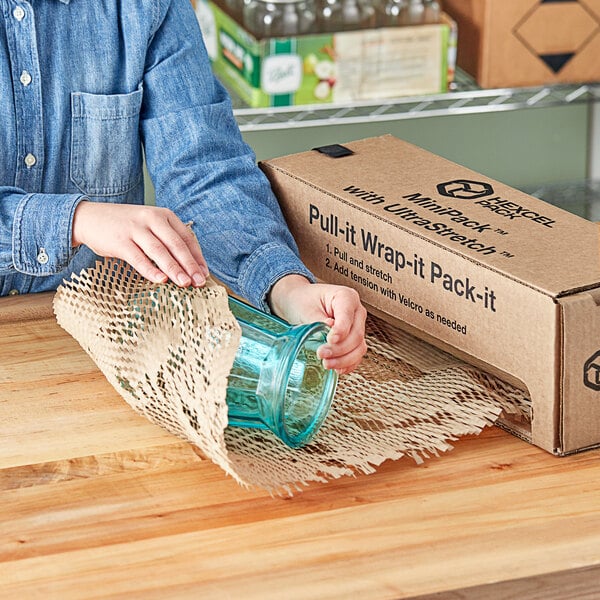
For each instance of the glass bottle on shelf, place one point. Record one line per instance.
(432, 12)
(357, 14)
(392, 13)
(416, 12)
(329, 16)
(279, 18)
(234, 8)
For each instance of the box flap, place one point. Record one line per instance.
(506, 230)
(580, 415)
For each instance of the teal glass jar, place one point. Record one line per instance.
(277, 382)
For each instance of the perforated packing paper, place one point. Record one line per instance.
(168, 352)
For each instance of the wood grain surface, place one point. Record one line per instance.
(96, 502)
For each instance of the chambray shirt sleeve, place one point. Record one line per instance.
(203, 170)
(35, 231)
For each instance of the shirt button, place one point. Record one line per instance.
(13, 293)
(25, 78)
(18, 13)
(30, 160)
(42, 257)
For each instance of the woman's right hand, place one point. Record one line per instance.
(153, 240)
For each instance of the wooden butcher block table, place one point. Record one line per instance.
(97, 502)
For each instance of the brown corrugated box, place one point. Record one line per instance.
(504, 43)
(497, 277)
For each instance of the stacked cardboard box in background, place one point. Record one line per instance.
(506, 43)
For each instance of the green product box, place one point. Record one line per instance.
(349, 66)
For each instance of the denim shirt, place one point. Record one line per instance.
(89, 86)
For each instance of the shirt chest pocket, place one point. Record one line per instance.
(106, 155)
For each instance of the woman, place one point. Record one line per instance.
(86, 87)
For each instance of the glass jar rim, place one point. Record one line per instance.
(330, 380)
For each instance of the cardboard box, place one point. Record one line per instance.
(488, 273)
(506, 43)
(333, 67)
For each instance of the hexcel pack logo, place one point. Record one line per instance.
(591, 372)
(465, 189)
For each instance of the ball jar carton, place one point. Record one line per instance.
(325, 68)
(488, 273)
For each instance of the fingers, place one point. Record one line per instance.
(335, 357)
(297, 300)
(346, 341)
(138, 259)
(195, 257)
(161, 253)
(151, 239)
(348, 315)
(345, 363)
(172, 247)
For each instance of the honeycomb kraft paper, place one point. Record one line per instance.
(168, 352)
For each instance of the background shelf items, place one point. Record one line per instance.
(284, 54)
(466, 98)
